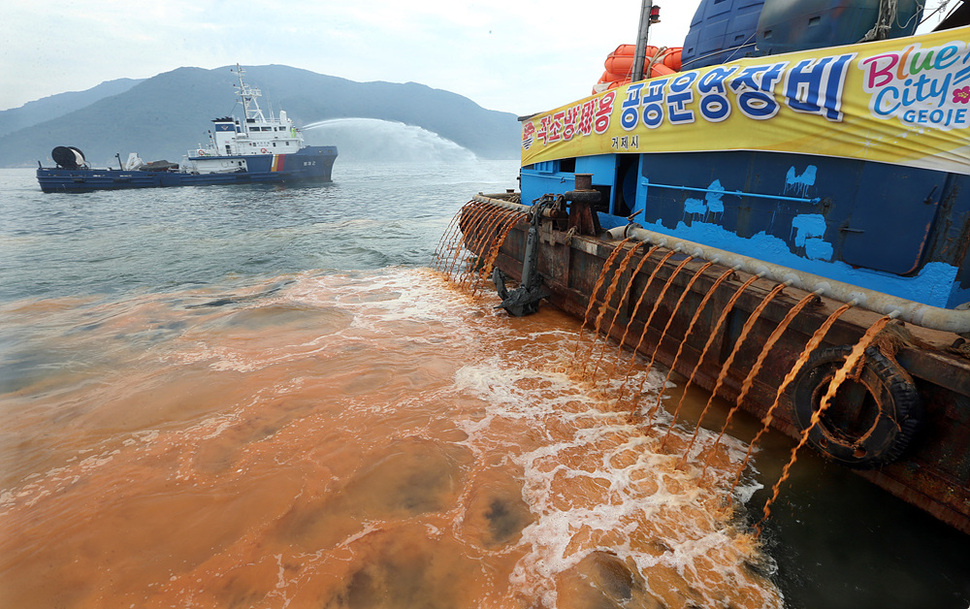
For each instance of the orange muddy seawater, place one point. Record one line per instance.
(374, 439)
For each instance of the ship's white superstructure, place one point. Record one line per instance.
(254, 135)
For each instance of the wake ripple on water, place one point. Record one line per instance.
(368, 439)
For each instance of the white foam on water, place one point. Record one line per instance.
(596, 481)
(386, 297)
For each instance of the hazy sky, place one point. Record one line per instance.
(518, 56)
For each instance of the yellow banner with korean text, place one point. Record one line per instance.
(904, 101)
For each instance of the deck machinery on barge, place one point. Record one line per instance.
(831, 157)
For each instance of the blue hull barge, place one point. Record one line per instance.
(255, 150)
(790, 211)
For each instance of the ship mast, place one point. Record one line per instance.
(648, 14)
(248, 95)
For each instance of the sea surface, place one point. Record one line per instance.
(250, 396)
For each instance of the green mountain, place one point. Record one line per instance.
(164, 116)
(58, 105)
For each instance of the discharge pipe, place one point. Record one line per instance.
(917, 313)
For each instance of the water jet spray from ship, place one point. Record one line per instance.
(369, 139)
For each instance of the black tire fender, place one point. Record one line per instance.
(870, 421)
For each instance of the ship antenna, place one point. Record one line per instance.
(248, 95)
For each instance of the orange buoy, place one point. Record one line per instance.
(621, 60)
(672, 58)
(614, 76)
(619, 65)
(631, 50)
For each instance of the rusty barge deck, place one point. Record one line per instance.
(925, 456)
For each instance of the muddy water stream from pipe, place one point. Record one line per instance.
(378, 440)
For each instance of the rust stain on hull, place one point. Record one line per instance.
(933, 472)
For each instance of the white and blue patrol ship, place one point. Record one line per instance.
(256, 149)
